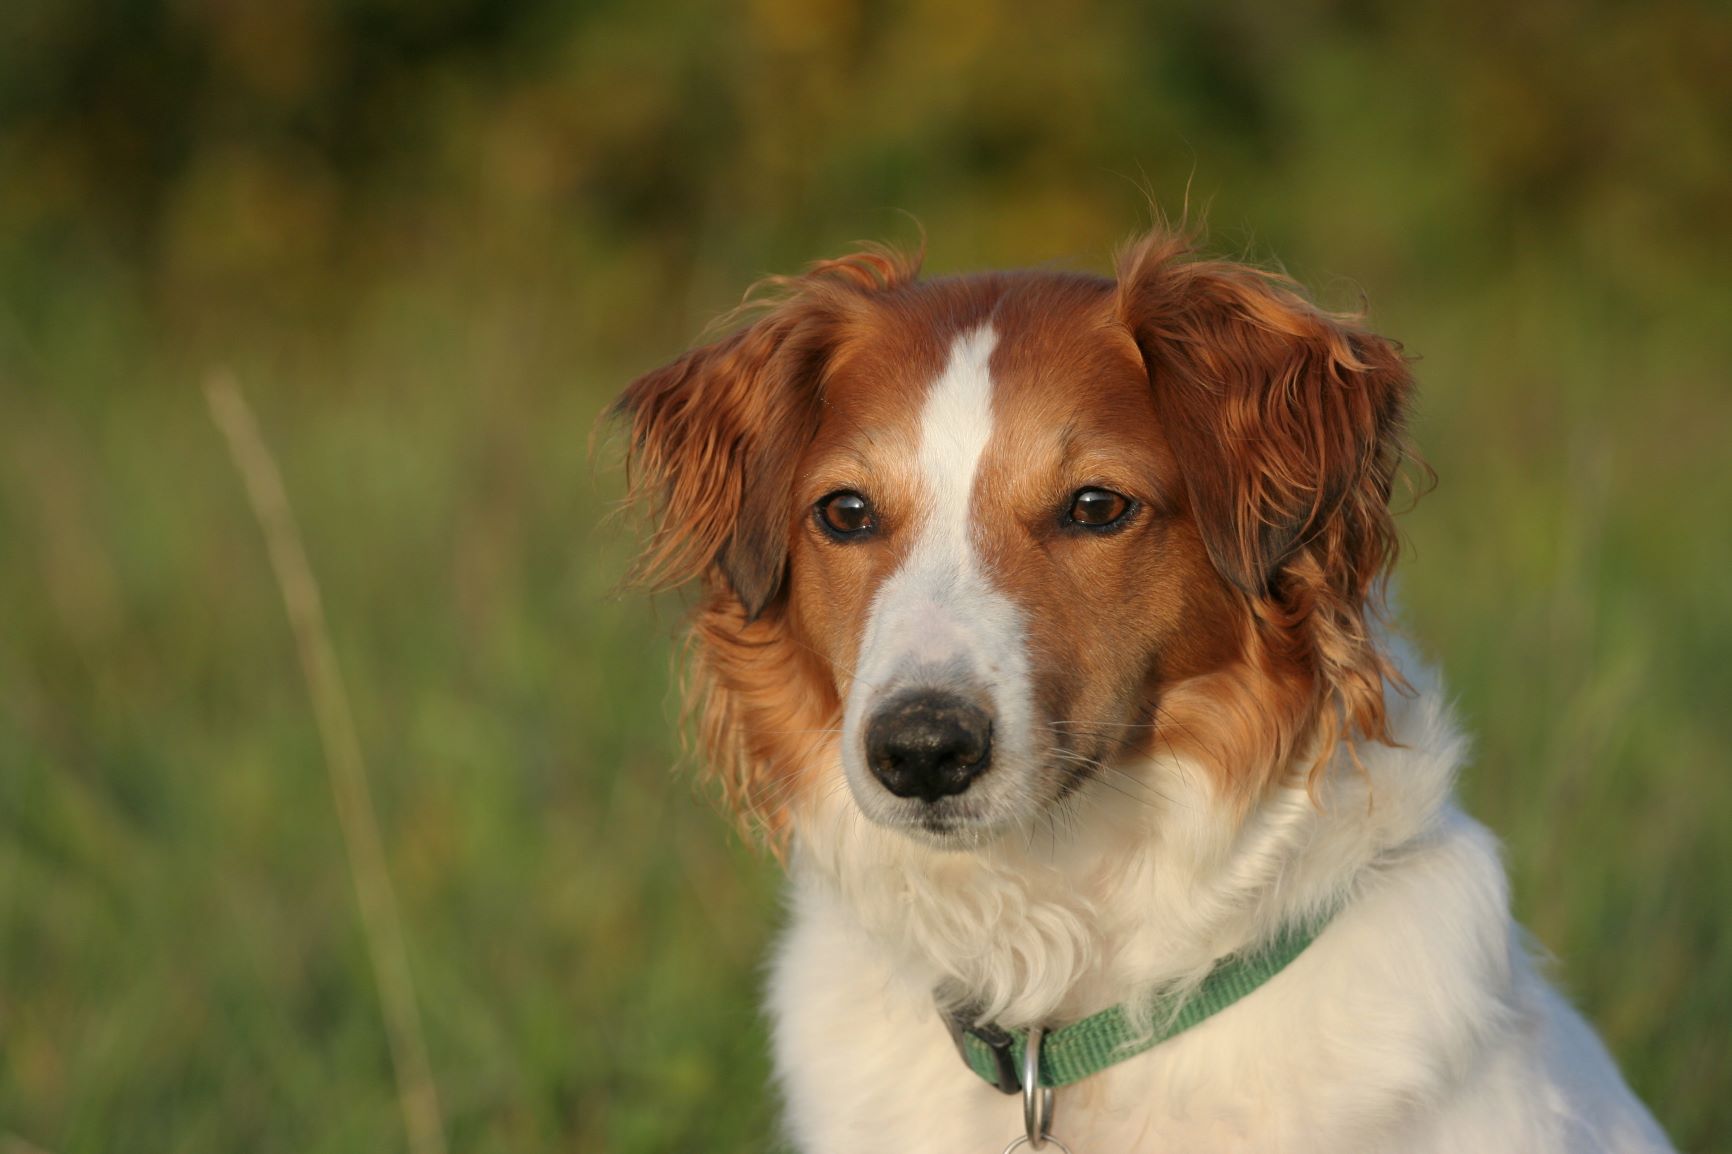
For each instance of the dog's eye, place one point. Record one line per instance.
(1098, 508)
(846, 514)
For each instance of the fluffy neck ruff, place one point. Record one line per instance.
(1144, 879)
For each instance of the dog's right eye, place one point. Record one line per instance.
(846, 515)
(1094, 508)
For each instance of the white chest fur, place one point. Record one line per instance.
(1415, 1022)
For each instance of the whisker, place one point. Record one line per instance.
(1140, 790)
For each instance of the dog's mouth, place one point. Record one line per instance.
(949, 822)
(964, 822)
(1012, 795)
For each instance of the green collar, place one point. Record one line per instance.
(1074, 1052)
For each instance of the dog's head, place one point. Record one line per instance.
(974, 543)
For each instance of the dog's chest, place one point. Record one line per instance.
(866, 1064)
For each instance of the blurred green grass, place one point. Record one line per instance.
(431, 242)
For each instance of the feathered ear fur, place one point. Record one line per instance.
(714, 441)
(715, 435)
(1286, 419)
(1287, 424)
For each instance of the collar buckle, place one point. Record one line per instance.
(996, 1042)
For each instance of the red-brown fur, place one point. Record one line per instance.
(1289, 420)
(1261, 433)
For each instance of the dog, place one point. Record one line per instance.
(1041, 631)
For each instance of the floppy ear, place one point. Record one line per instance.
(715, 436)
(1286, 420)
(714, 440)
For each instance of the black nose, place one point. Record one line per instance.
(928, 744)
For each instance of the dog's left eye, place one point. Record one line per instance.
(846, 514)
(1098, 508)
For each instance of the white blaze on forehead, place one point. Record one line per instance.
(922, 615)
(937, 621)
(955, 425)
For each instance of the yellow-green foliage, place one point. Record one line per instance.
(431, 240)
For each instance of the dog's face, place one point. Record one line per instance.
(992, 549)
(981, 542)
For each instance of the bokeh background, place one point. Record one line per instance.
(430, 238)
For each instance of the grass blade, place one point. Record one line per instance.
(380, 919)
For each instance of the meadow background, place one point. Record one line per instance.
(431, 239)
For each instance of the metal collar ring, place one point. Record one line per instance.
(1021, 1140)
(1036, 1099)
